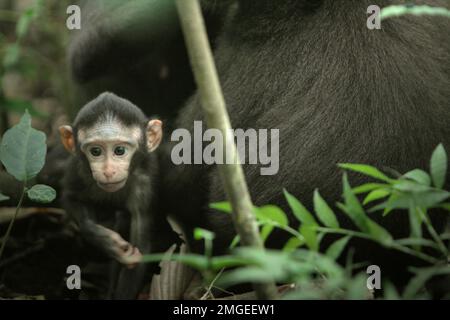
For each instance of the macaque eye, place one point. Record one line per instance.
(119, 151)
(95, 151)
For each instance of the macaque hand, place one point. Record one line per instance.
(131, 257)
(123, 251)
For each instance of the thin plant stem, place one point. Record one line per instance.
(8, 231)
(433, 232)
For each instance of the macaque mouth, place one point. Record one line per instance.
(112, 186)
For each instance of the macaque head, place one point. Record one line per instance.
(109, 132)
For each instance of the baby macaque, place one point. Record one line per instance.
(114, 169)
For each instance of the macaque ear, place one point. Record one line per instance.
(154, 134)
(67, 138)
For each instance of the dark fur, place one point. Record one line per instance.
(127, 112)
(137, 51)
(88, 205)
(338, 92)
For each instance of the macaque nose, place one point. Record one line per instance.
(109, 172)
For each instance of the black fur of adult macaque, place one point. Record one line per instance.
(135, 49)
(338, 92)
(102, 193)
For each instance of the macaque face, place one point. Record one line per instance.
(109, 149)
(110, 146)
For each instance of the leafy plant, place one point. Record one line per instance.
(22, 152)
(300, 262)
(10, 57)
(32, 50)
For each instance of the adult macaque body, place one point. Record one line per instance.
(113, 169)
(338, 92)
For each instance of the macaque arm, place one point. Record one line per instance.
(151, 233)
(108, 241)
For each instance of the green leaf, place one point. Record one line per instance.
(266, 231)
(221, 262)
(195, 261)
(3, 197)
(410, 186)
(366, 170)
(41, 193)
(292, 244)
(368, 187)
(324, 212)
(445, 236)
(415, 222)
(438, 166)
(300, 212)
(235, 242)
(387, 208)
(310, 235)
(335, 250)
(244, 275)
(324, 265)
(23, 149)
(419, 176)
(273, 214)
(379, 233)
(224, 206)
(429, 199)
(352, 207)
(200, 234)
(376, 195)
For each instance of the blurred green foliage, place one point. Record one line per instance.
(33, 42)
